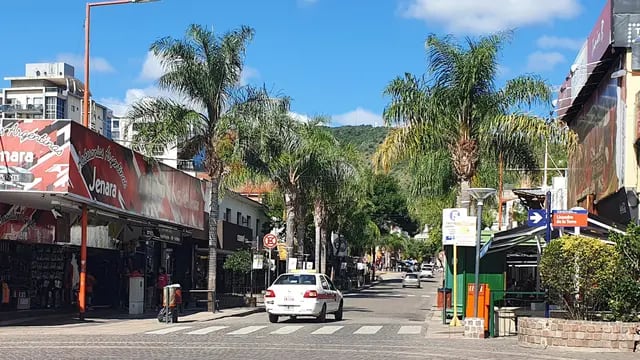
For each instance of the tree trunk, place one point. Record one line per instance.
(500, 181)
(300, 226)
(317, 222)
(290, 206)
(463, 199)
(323, 246)
(213, 244)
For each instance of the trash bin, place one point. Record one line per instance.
(171, 298)
(173, 294)
(444, 298)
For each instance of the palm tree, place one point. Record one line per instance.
(204, 69)
(457, 112)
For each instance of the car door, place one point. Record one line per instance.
(337, 292)
(330, 295)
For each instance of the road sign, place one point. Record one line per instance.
(449, 217)
(570, 218)
(537, 217)
(269, 241)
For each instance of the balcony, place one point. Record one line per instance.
(22, 109)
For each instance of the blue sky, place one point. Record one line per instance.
(333, 57)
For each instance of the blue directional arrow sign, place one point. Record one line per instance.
(537, 217)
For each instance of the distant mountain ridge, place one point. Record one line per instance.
(365, 138)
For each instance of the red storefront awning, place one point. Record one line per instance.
(61, 158)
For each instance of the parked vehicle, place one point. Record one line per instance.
(426, 271)
(303, 294)
(411, 279)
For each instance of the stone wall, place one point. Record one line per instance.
(474, 328)
(611, 336)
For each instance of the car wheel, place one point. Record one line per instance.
(293, 317)
(403, 286)
(338, 314)
(323, 314)
(273, 318)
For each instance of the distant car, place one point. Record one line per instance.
(426, 271)
(411, 279)
(303, 294)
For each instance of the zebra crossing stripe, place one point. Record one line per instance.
(327, 330)
(406, 330)
(246, 330)
(168, 330)
(207, 330)
(287, 330)
(368, 330)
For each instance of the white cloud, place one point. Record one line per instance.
(97, 64)
(248, 73)
(544, 61)
(152, 69)
(299, 117)
(555, 42)
(359, 116)
(121, 106)
(483, 16)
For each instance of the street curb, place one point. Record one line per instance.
(256, 310)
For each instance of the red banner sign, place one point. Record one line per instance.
(65, 157)
(26, 224)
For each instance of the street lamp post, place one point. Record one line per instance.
(479, 194)
(85, 122)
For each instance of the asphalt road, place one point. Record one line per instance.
(384, 321)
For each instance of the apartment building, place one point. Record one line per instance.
(51, 91)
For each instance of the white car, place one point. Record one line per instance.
(303, 294)
(426, 271)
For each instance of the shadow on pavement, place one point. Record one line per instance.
(62, 317)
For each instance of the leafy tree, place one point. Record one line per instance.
(579, 272)
(455, 115)
(389, 204)
(239, 262)
(204, 69)
(625, 294)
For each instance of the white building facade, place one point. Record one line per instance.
(51, 91)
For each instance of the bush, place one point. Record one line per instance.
(625, 294)
(579, 272)
(238, 262)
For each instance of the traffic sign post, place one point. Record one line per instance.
(570, 218)
(537, 218)
(269, 241)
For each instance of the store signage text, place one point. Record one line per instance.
(104, 154)
(101, 186)
(24, 135)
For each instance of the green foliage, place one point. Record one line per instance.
(389, 204)
(428, 211)
(625, 295)
(238, 262)
(579, 272)
(365, 138)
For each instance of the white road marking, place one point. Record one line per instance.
(368, 330)
(404, 330)
(246, 330)
(207, 330)
(426, 296)
(168, 330)
(326, 330)
(411, 295)
(287, 330)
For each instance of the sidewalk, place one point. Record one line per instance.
(435, 328)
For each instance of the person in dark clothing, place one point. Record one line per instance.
(186, 285)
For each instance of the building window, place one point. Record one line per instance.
(257, 227)
(50, 107)
(248, 221)
(239, 218)
(115, 135)
(227, 215)
(61, 104)
(116, 124)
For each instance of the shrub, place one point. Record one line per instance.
(579, 272)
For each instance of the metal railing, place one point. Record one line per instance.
(511, 298)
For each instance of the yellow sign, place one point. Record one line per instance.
(282, 251)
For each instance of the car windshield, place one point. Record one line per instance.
(295, 279)
(413, 276)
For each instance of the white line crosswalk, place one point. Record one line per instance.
(368, 330)
(207, 330)
(327, 330)
(283, 329)
(247, 330)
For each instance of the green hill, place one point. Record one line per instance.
(364, 138)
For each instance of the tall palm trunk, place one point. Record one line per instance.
(300, 227)
(463, 199)
(323, 245)
(213, 243)
(290, 208)
(500, 185)
(318, 216)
